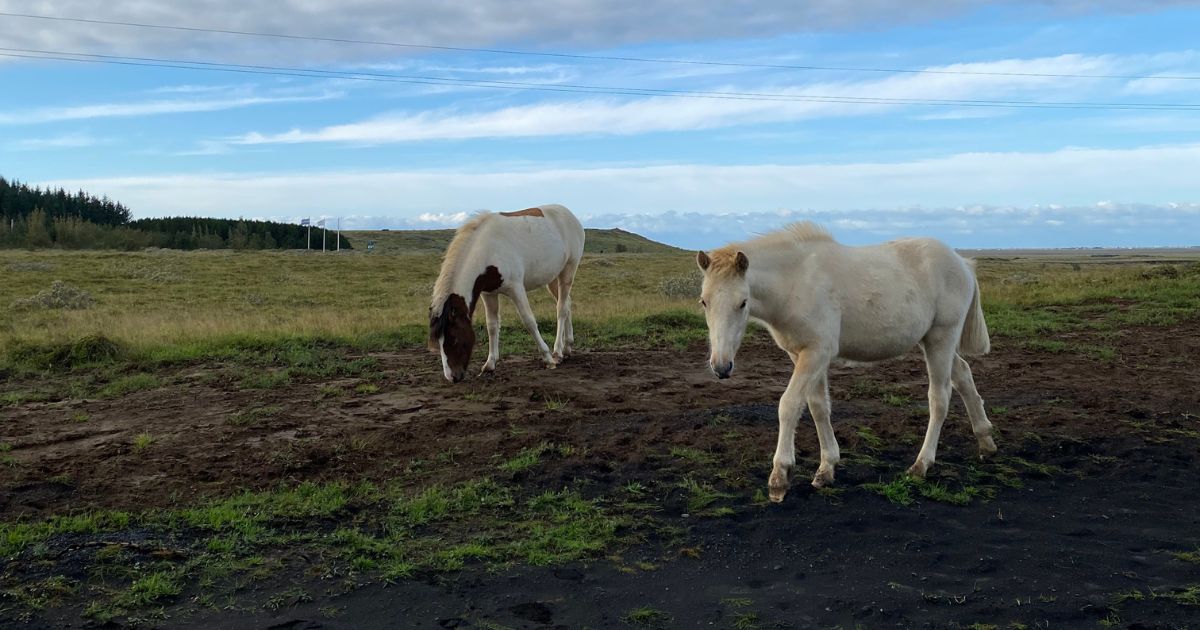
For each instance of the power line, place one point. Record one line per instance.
(571, 88)
(530, 53)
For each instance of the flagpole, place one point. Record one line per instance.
(324, 230)
(339, 234)
(309, 246)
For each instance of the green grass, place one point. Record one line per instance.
(556, 404)
(701, 496)
(869, 439)
(746, 621)
(906, 489)
(303, 330)
(1188, 556)
(205, 316)
(692, 455)
(383, 532)
(1186, 595)
(646, 616)
(526, 459)
(129, 384)
(253, 415)
(142, 441)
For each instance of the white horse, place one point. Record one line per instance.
(504, 254)
(823, 301)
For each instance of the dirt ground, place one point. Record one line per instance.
(1122, 439)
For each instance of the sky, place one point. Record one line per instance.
(694, 123)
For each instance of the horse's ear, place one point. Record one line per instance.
(703, 260)
(743, 263)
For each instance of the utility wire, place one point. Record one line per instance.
(530, 53)
(572, 88)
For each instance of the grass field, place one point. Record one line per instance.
(168, 305)
(269, 341)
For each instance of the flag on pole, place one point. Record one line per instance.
(321, 223)
(304, 222)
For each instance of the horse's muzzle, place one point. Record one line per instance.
(722, 371)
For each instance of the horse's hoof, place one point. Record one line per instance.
(487, 370)
(822, 480)
(550, 365)
(987, 448)
(558, 357)
(777, 485)
(918, 470)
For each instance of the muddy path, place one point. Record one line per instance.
(1108, 453)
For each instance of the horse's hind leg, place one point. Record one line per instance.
(522, 302)
(939, 361)
(964, 384)
(491, 303)
(564, 339)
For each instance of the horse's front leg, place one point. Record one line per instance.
(809, 368)
(522, 301)
(818, 407)
(491, 304)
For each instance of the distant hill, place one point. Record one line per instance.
(610, 241)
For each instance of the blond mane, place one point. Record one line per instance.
(462, 236)
(724, 259)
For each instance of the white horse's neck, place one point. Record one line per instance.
(773, 274)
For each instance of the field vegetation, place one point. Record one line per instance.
(162, 306)
(105, 325)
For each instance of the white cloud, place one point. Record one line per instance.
(979, 183)
(148, 108)
(611, 115)
(442, 219)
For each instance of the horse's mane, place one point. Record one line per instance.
(724, 259)
(462, 237)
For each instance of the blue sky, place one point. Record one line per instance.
(695, 172)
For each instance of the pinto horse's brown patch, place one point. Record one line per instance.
(527, 212)
(488, 281)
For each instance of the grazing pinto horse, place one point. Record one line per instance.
(823, 301)
(506, 253)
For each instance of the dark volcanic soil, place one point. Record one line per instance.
(1124, 434)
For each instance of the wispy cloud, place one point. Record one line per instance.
(609, 115)
(62, 141)
(149, 108)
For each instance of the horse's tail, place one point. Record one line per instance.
(974, 340)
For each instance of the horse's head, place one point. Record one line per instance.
(725, 296)
(452, 336)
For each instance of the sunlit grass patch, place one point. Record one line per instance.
(253, 415)
(526, 459)
(906, 489)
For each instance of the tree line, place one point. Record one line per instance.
(34, 218)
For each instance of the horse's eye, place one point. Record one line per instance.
(743, 304)
(703, 304)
